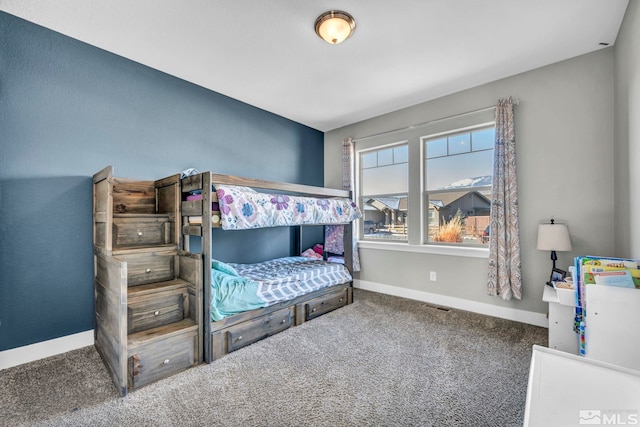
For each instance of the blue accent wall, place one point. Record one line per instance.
(67, 110)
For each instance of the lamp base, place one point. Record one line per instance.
(554, 258)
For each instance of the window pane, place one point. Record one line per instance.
(385, 157)
(458, 189)
(401, 154)
(460, 143)
(369, 160)
(436, 148)
(384, 196)
(385, 217)
(472, 169)
(385, 180)
(483, 139)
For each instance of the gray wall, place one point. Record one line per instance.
(627, 134)
(66, 111)
(564, 137)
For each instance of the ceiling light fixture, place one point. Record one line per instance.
(335, 26)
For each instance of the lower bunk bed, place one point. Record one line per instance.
(244, 303)
(253, 301)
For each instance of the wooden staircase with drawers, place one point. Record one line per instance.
(148, 291)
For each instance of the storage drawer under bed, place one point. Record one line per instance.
(325, 303)
(248, 332)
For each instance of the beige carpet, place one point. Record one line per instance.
(380, 361)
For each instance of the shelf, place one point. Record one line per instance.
(550, 294)
(144, 250)
(159, 216)
(152, 288)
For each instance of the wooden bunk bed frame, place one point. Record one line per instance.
(242, 329)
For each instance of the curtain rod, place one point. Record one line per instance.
(412, 127)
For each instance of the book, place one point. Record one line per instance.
(621, 278)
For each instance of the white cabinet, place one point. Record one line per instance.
(561, 318)
(613, 316)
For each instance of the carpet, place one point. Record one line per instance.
(383, 360)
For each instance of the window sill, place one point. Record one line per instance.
(469, 252)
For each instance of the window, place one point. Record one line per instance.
(457, 179)
(384, 190)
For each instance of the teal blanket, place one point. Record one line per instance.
(232, 294)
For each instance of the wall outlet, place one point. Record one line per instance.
(432, 276)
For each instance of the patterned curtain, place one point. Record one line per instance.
(505, 277)
(334, 241)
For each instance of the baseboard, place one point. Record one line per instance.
(40, 350)
(30, 353)
(529, 317)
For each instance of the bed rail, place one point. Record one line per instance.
(279, 186)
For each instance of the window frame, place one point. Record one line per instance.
(402, 132)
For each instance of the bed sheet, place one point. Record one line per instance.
(240, 287)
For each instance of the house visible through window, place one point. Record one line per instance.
(458, 173)
(384, 189)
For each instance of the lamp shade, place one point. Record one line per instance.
(335, 26)
(553, 237)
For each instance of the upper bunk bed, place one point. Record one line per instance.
(212, 201)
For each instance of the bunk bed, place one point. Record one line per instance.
(275, 294)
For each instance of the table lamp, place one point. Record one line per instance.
(553, 237)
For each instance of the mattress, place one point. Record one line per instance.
(240, 287)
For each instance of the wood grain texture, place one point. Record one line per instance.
(278, 186)
(132, 230)
(110, 290)
(133, 196)
(160, 358)
(148, 294)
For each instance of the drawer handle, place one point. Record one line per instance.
(155, 313)
(284, 321)
(240, 337)
(148, 270)
(140, 233)
(313, 310)
(165, 362)
(341, 299)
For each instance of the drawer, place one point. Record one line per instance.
(149, 267)
(141, 231)
(161, 358)
(157, 309)
(254, 330)
(324, 304)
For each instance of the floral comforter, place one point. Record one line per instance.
(244, 208)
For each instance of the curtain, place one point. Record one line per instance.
(334, 241)
(505, 279)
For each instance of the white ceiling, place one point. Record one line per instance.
(266, 53)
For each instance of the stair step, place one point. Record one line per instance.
(160, 332)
